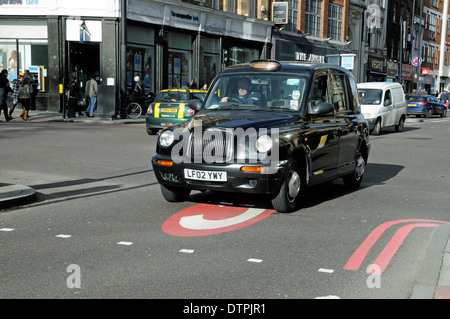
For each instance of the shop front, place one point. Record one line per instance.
(24, 46)
(289, 47)
(55, 42)
(174, 46)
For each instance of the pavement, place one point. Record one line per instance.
(46, 116)
(434, 277)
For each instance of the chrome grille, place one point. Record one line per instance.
(211, 146)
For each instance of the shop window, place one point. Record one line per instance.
(180, 60)
(19, 55)
(211, 60)
(141, 56)
(242, 55)
(140, 62)
(179, 69)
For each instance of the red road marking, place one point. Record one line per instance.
(391, 248)
(205, 220)
(394, 244)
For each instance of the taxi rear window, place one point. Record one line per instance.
(170, 96)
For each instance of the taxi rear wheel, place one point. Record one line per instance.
(287, 199)
(354, 179)
(175, 194)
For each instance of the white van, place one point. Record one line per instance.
(383, 105)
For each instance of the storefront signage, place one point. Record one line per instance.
(425, 71)
(280, 12)
(392, 69)
(348, 61)
(407, 72)
(83, 30)
(300, 56)
(185, 16)
(376, 64)
(20, 2)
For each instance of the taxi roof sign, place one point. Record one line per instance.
(265, 65)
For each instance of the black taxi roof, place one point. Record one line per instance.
(285, 66)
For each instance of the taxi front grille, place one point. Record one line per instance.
(211, 146)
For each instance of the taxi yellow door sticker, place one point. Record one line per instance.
(323, 141)
(181, 111)
(156, 114)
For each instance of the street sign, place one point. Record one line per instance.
(416, 61)
(205, 220)
(425, 71)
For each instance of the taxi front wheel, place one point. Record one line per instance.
(175, 194)
(287, 199)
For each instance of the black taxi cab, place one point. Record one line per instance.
(270, 128)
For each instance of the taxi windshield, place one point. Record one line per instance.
(267, 91)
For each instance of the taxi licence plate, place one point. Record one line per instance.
(167, 110)
(209, 176)
(412, 104)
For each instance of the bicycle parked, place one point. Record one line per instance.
(138, 104)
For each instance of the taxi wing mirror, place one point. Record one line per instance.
(321, 108)
(195, 104)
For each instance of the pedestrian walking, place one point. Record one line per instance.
(5, 88)
(15, 96)
(443, 96)
(72, 97)
(193, 85)
(91, 95)
(25, 91)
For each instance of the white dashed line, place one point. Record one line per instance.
(125, 243)
(63, 236)
(187, 251)
(7, 229)
(253, 260)
(328, 271)
(328, 297)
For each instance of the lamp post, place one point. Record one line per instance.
(123, 58)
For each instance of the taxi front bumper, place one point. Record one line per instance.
(267, 182)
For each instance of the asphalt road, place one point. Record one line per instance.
(100, 229)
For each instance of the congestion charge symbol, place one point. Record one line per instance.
(207, 219)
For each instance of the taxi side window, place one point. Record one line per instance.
(338, 93)
(354, 98)
(319, 92)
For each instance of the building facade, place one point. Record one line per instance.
(167, 43)
(435, 49)
(314, 30)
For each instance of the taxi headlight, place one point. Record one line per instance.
(166, 138)
(264, 144)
